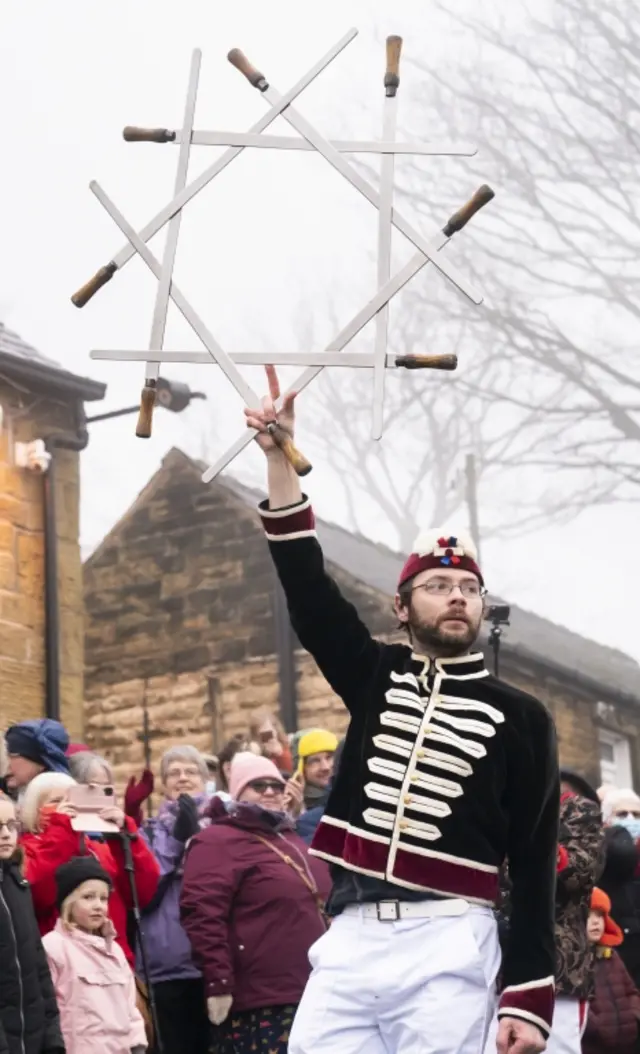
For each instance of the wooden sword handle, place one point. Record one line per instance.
(392, 72)
(285, 443)
(147, 403)
(147, 135)
(455, 223)
(100, 278)
(238, 59)
(427, 362)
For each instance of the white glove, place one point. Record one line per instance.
(218, 1007)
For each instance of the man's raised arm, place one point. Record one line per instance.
(326, 624)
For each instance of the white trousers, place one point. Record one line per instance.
(569, 1022)
(419, 986)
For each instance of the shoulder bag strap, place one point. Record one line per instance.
(304, 875)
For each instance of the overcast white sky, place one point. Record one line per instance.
(272, 228)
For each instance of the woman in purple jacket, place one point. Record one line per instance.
(177, 983)
(252, 902)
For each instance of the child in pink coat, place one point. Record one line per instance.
(94, 985)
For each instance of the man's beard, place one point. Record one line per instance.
(433, 637)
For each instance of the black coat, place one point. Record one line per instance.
(29, 1019)
(620, 884)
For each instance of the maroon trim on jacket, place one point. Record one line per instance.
(287, 523)
(337, 844)
(249, 916)
(530, 1004)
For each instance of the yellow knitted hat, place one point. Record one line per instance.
(317, 741)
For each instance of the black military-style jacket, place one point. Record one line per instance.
(445, 771)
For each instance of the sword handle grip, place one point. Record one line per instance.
(90, 288)
(285, 443)
(131, 134)
(145, 416)
(238, 59)
(392, 72)
(455, 223)
(427, 362)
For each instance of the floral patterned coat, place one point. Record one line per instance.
(580, 863)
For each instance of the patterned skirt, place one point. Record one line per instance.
(263, 1031)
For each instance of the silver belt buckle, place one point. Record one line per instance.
(388, 910)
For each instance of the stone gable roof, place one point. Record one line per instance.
(606, 671)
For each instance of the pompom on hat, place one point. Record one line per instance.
(443, 548)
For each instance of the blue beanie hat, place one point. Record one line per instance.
(43, 741)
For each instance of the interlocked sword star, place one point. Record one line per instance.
(428, 251)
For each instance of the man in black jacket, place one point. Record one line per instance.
(621, 885)
(29, 1019)
(445, 772)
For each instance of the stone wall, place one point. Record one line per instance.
(27, 416)
(204, 708)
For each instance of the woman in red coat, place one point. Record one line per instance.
(612, 1021)
(49, 841)
(251, 905)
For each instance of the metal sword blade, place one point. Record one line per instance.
(384, 264)
(217, 353)
(337, 161)
(352, 359)
(399, 280)
(159, 321)
(343, 146)
(157, 223)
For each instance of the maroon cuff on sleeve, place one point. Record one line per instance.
(294, 521)
(531, 1002)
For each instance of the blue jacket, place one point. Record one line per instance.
(306, 825)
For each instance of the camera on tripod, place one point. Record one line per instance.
(498, 615)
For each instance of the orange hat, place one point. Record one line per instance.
(612, 935)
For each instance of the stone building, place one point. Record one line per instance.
(183, 618)
(40, 401)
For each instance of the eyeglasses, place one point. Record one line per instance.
(440, 587)
(262, 786)
(628, 814)
(11, 825)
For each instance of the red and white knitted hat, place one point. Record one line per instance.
(441, 547)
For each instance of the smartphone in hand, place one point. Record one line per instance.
(88, 802)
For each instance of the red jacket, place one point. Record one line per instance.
(612, 1021)
(59, 843)
(249, 915)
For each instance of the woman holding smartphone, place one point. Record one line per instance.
(49, 840)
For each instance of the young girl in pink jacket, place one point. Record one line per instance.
(94, 985)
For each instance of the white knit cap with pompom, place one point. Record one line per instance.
(428, 541)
